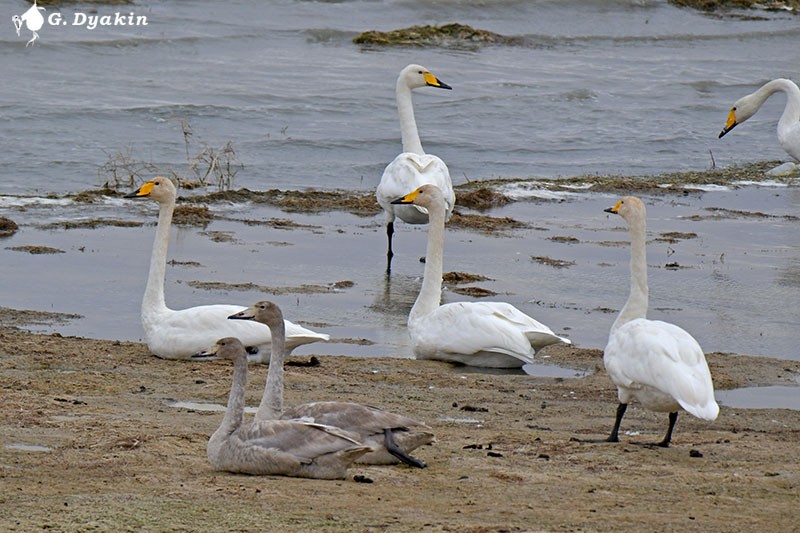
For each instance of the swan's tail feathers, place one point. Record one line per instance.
(540, 339)
(708, 411)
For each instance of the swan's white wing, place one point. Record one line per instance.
(665, 357)
(186, 332)
(408, 172)
(475, 327)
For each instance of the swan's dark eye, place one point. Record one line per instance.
(420, 72)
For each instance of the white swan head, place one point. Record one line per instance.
(415, 76)
(744, 108)
(160, 189)
(426, 197)
(17, 23)
(630, 208)
(265, 312)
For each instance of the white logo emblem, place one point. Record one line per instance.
(32, 19)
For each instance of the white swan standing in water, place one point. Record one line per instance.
(180, 334)
(275, 447)
(393, 437)
(654, 362)
(413, 167)
(33, 21)
(485, 334)
(788, 125)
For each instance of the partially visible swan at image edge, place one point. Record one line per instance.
(275, 447)
(413, 167)
(788, 125)
(180, 334)
(484, 334)
(654, 362)
(393, 437)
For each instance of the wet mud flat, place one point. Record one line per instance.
(90, 440)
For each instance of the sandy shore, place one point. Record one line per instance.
(90, 441)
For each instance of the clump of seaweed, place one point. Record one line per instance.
(481, 199)
(192, 215)
(7, 227)
(447, 35)
(460, 278)
(720, 5)
(484, 223)
(549, 261)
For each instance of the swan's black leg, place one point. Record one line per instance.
(614, 437)
(389, 253)
(394, 449)
(673, 417)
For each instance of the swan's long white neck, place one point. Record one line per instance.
(408, 125)
(234, 414)
(271, 406)
(791, 113)
(430, 294)
(153, 302)
(636, 306)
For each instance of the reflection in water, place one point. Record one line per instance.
(772, 397)
(200, 406)
(29, 447)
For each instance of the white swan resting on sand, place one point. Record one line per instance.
(275, 447)
(654, 362)
(485, 334)
(788, 125)
(413, 167)
(180, 334)
(391, 436)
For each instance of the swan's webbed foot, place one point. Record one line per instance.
(394, 449)
(35, 36)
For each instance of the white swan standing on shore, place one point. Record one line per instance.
(788, 125)
(413, 167)
(393, 437)
(485, 334)
(180, 334)
(275, 447)
(654, 362)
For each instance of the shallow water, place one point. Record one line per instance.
(630, 87)
(623, 86)
(770, 397)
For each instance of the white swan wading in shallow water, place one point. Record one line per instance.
(654, 362)
(413, 167)
(393, 437)
(485, 334)
(788, 125)
(180, 334)
(275, 447)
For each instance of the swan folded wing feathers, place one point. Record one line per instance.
(196, 329)
(672, 362)
(306, 440)
(350, 415)
(407, 172)
(469, 322)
